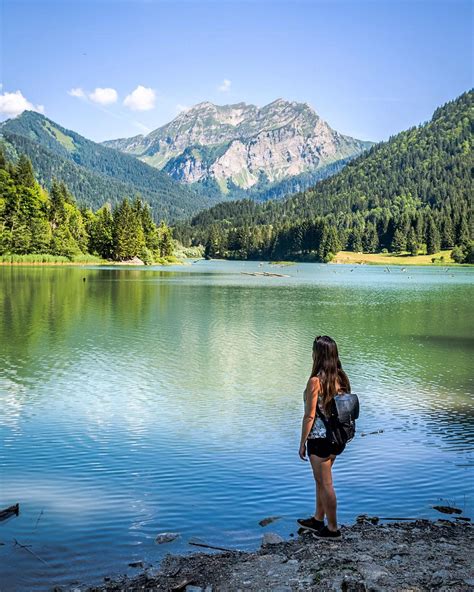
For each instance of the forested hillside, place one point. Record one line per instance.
(411, 193)
(95, 173)
(35, 221)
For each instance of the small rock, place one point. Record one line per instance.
(166, 537)
(350, 584)
(271, 538)
(363, 557)
(191, 588)
(136, 564)
(269, 520)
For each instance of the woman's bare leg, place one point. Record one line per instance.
(319, 512)
(326, 502)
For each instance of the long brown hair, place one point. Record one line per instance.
(327, 367)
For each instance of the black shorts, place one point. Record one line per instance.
(323, 447)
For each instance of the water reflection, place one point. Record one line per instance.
(140, 401)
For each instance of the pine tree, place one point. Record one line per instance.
(412, 243)
(129, 239)
(165, 240)
(399, 241)
(433, 240)
(370, 239)
(101, 233)
(355, 240)
(447, 239)
(24, 174)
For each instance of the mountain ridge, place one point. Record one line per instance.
(94, 172)
(241, 145)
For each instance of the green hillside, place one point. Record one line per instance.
(95, 173)
(411, 193)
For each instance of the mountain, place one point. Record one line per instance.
(95, 173)
(415, 189)
(243, 147)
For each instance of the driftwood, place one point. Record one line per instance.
(410, 519)
(264, 273)
(182, 584)
(211, 546)
(30, 551)
(447, 509)
(37, 520)
(10, 511)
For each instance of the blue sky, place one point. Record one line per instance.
(369, 68)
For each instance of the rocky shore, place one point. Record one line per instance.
(409, 556)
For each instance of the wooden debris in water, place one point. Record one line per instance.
(10, 511)
(30, 551)
(199, 544)
(264, 273)
(447, 509)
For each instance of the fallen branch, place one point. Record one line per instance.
(30, 551)
(211, 546)
(38, 519)
(7, 512)
(411, 519)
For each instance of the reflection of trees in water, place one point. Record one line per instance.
(47, 312)
(224, 349)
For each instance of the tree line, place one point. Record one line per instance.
(34, 220)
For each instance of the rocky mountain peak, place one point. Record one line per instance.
(242, 144)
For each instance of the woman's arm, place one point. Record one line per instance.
(312, 391)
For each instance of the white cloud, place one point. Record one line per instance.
(225, 86)
(180, 108)
(14, 103)
(77, 92)
(104, 96)
(141, 99)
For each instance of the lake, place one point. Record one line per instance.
(136, 401)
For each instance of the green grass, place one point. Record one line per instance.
(63, 139)
(45, 259)
(394, 258)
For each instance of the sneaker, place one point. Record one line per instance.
(325, 533)
(311, 523)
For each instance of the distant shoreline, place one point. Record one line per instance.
(341, 258)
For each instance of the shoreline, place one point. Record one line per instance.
(341, 258)
(410, 555)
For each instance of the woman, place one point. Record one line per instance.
(327, 379)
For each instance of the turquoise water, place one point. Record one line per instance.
(142, 401)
